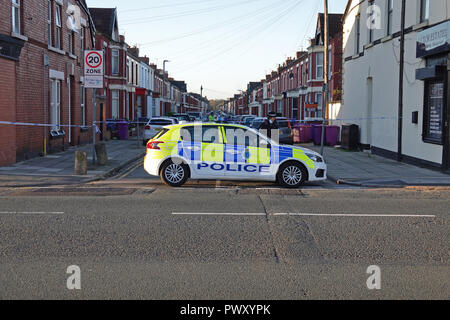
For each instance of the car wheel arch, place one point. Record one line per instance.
(173, 159)
(296, 161)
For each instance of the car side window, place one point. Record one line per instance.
(243, 137)
(205, 134)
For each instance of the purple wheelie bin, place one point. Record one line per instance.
(317, 134)
(305, 133)
(122, 130)
(332, 135)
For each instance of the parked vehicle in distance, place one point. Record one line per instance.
(196, 115)
(155, 125)
(182, 117)
(286, 135)
(247, 120)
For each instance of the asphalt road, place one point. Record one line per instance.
(136, 239)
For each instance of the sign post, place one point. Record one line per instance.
(93, 78)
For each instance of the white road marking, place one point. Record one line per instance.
(354, 215)
(303, 215)
(37, 213)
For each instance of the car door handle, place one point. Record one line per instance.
(193, 148)
(233, 152)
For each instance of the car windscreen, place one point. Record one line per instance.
(257, 123)
(159, 122)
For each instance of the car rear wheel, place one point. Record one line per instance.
(292, 175)
(174, 174)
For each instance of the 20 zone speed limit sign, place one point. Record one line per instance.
(93, 63)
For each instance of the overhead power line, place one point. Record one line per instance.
(185, 13)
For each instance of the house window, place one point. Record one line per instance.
(16, 16)
(424, 10)
(390, 11)
(115, 104)
(371, 17)
(83, 106)
(357, 33)
(71, 42)
(55, 104)
(58, 25)
(49, 22)
(82, 36)
(319, 102)
(115, 62)
(330, 64)
(319, 65)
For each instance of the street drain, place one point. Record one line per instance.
(78, 192)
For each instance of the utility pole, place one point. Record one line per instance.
(400, 83)
(164, 81)
(325, 74)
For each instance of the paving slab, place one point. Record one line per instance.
(365, 169)
(59, 168)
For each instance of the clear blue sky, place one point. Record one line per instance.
(220, 44)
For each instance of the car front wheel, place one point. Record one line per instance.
(292, 175)
(174, 174)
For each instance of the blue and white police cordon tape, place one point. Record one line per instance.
(44, 125)
(116, 122)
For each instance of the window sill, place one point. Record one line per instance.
(387, 38)
(356, 56)
(62, 52)
(74, 57)
(421, 25)
(19, 36)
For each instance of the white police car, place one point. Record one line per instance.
(228, 152)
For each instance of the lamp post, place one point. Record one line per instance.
(164, 81)
(325, 74)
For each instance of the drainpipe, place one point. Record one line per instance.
(400, 89)
(44, 96)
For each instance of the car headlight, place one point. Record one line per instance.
(314, 157)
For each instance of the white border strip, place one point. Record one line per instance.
(217, 214)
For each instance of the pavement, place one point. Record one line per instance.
(58, 168)
(368, 170)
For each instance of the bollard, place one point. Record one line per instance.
(80, 163)
(102, 157)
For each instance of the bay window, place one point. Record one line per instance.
(319, 65)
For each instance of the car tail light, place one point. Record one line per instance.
(147, 127)
(154, 145)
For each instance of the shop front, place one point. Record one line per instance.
(433, 46)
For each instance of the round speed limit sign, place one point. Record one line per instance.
(93, 65)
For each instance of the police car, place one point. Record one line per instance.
(228, 152)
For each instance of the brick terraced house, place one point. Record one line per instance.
(41, 58)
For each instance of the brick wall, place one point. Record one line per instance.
(7, 112)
